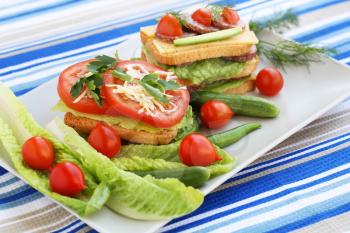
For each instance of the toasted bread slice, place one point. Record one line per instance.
(85, 125)
(166, 53)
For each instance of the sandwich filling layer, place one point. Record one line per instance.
(128, 123)
(207, 71)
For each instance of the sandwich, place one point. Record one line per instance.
(207, 48)
(141, 102)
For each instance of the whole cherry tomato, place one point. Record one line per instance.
(202, 16)
(215, 114)
(231, 16)
(67, 179)
(196, 150)
(105, 140)
(269, 81)
(169, 26)
(38, 153)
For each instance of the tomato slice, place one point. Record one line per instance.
(202, 16)
(125, 106)
(231, 16)
(169, 26)
(67, 79)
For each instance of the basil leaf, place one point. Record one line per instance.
(121, 74)
(169, 85)
(106, 60)
(77, 88)
(90, 85)
(152, 80)
(98, 80)
(96, 66)
(96, 96)
(155, 92)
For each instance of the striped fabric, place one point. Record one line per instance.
(301, 185)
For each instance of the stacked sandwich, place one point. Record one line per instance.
(208, 48)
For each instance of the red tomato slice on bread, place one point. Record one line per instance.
(179, 100)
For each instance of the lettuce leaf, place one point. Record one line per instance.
(165, 198)
(136, 163)
(16, 126)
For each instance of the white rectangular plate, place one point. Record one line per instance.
(306, 95)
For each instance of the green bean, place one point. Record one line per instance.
(231, 136)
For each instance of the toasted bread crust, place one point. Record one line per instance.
(85, 125)
(166, 53)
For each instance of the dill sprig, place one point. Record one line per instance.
(286, 52)
(278, 23)
(292, 53)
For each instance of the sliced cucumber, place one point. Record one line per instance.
(208, 37)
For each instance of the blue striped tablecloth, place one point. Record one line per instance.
(303, 184)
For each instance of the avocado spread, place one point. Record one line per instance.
(203, 71)
(128, 123)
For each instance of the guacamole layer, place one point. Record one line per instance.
(187, 121)
(203, 71)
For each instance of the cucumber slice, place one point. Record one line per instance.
(208, 37)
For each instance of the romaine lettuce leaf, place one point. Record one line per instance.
(40, 181)
(136, 163)
(16, 126)
(144, 198)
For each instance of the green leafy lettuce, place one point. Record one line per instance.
(137, 197)
(16, 126)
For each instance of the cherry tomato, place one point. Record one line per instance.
(215, 114)
(67, 79)
(202, 16)
(67, 179)
(169, 26)
(197, 150)
(105, 140)
(231, 16)
(269, 81)
(180, 98)
(38, 153)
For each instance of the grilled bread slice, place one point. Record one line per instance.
(166, 53)
(85, 125)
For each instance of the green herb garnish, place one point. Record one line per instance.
(279, 22)
(94, 81)
(101, 64)
(121, 74)
(291, 53)
(286, 52)
(156, 86)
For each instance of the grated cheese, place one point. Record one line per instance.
(137, 93)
